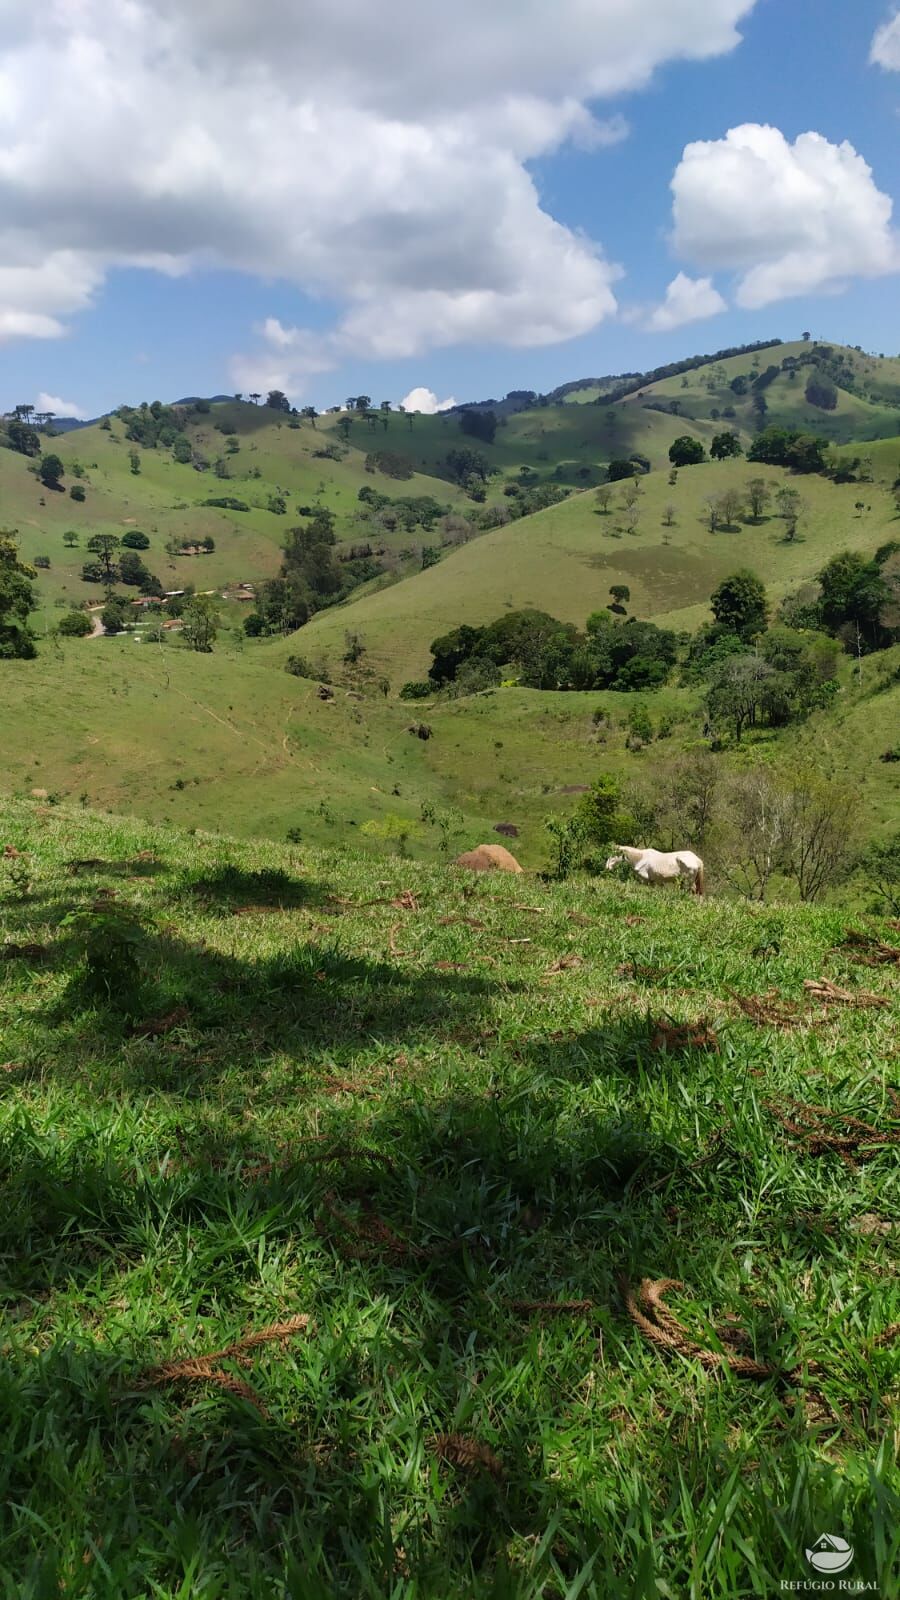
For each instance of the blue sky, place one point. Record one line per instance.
(444, 201)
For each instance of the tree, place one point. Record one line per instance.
(686, 451)
(619, 469)
(75, 625)
(133, 540)
(345, 423)
(879, 868)
(464, 464)
(70, 540)
(743, 692)
(853, 591)
(277, 505)
(181, 450)
(113, 616)
(712, 512)
(599, 814)
(481, 425)
(255, 398)
(22, 438)
(821, 392)
(731, 505)
(200, 620)
(819, 821)
(790, 507)
(16, 603)
(77, 491)
(132, 570)
(759, 495)
(103, 545)
(309, 413)
(51, 471)
(669, 514)
(739, 604)
(621, 595)
(277, 400)
(362, 402)
(725, 445)
(602, 498)
(134, 457)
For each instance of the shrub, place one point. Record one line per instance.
(417, 689)
(135, 541)
(227, 503)
(77, 492)
(299, 667)
(75, 625)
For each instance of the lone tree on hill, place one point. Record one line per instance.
(277, 400)
(621, 595)
(686, 451)
(51, 471)
(16, 603)
(758, 495)
(200, 620)
(739, 604)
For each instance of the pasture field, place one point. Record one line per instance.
(231, 742)
(563, 560)
(401, 1146)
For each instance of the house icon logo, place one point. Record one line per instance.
(830, 1554)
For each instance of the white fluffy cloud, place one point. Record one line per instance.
(373, 155)
(686, 300)
(60, 407)
(788, 219)
(886, 45)
(426, 401)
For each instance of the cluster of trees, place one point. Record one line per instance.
(790, 447)
(311, 577)
(127, 567)
(16, 601)
(544, 653)
(858, 600)
(753, 826)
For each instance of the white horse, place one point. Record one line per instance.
(659, 866)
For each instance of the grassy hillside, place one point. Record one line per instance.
(228, 741)
(165, 500)
(381, 1144)
(867, 410)
(564, 560)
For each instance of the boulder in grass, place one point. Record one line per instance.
(488, 858)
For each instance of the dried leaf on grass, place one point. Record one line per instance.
(564, 964)
(675, 1036)
(155, 1027)
(868, 950)
(368, 1234)
(203, 1369)
(649, 1312)
(464, 1451)
(24, 952)
(632, 920)
(636, 969)
(818, 1130)
(828, 994)
(581, 920)
(560, 1308)
(768, 1010)
(467, 922)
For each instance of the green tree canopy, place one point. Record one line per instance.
(739, 604)
(686, 451)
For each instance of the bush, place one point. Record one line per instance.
(77, 492)
(299, 667)
(75, 625)
(417, 689)
(227, 503)
(135, 541)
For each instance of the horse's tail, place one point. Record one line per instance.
(700, 880)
